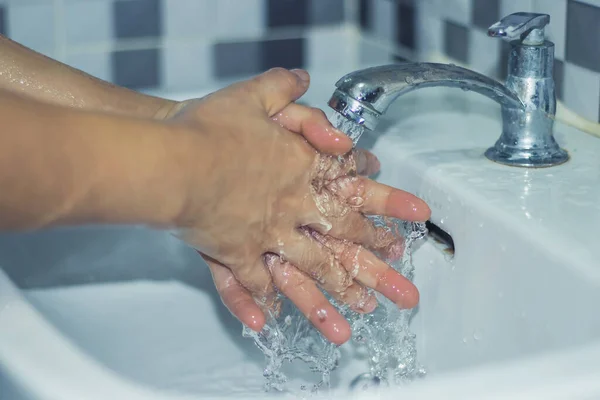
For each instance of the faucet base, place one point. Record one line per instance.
(528, 159)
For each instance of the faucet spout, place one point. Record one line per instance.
(363, 96)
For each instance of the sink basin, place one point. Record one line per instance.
(509, 284)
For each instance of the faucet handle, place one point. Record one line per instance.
(527, 27)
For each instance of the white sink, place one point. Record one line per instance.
(129, 313)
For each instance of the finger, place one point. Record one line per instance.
(370, 271)
(236, 298)
(367, 163)
(256, 278)
(315, 127)
(278, 87)
(355, 227)
(311, 302)
(316, 261)
(358, 298)
(379, 199)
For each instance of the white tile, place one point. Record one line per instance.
(186, 65)
(97, 64)
(556, 30)
(240, 19)
(88, 22)
(512, 6)
(330, 48)
(31, 23)
(372, 54)
(581, 91)
(458, 11)
(383, 18)
(484, 54)
(189, 18)
(429, 36)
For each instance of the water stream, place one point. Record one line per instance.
(384, 335)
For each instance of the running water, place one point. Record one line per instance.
(384, 333)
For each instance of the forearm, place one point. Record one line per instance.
(63, 166)
(24, 71)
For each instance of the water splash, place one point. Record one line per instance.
(384, 334)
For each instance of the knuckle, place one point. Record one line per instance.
(281, 74)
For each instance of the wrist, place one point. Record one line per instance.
(140, 175)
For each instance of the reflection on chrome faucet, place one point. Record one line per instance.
(527, 98)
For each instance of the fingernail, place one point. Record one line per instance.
(303, 75)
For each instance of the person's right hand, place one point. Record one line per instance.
(274, 212)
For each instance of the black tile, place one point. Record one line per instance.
(326, 12)
(399, 59)
(136, 69)
(3, 24)
(405, 25)
(456, 39)
(559, 78)
(364, 14)
(504, 53)
(287, 13)
(286, 53)
(237, 59)
(583, 35)
(137, 18)
(485, 13)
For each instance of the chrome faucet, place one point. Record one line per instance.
(527, 97)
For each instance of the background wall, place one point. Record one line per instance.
(458, 29)
(181, 44)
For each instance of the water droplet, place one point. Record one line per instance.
(477, 335)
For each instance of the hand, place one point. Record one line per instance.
(281, 213)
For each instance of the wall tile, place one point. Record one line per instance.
(372, 54)
(136, 69)
(382, 19)
(236, 59)
(556, 30)
(186, 65)
(583, 35)
(512, 6)
(3, 24)
(405, 25)
(282, 13)
(326, 12)
(581, 89)
(559, 78)
(484, 52)
(456, 39)
(137, 18)
(32, 24)
(88, 22)
(189, 18)
(364, 13)
(485, 13)
(328, 49)
(430, 30)
(241, 20)
(286, 53)
(457, 11)
(97, 64)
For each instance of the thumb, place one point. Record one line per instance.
(278, 87)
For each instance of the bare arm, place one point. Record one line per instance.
(64, 166)
(24, 71)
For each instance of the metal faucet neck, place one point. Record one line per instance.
(527, 98)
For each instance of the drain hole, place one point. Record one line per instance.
(442, 237)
